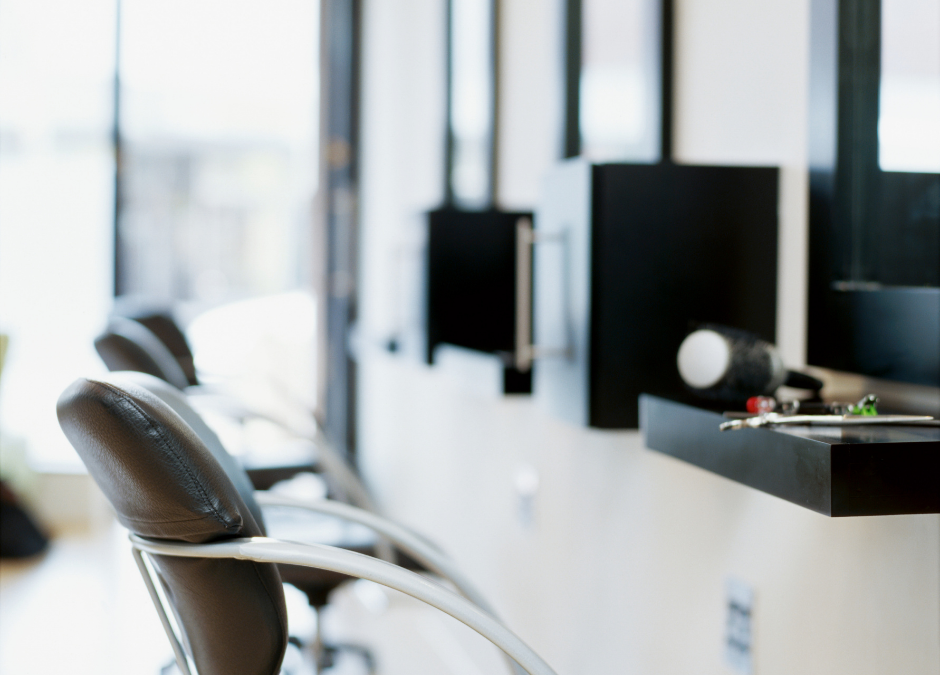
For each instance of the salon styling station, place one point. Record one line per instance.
(872, 470)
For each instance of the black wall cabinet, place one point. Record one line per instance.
(640, 254)
(471, 286)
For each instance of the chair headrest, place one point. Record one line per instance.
(158, 317)
(129, 345)
(164, 483)
(160, 477)
(179, 403)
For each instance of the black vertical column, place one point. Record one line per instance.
(857, 178)
(571, 143)
(667, 78)
(449, 140)
(341, 35)
(495, 35)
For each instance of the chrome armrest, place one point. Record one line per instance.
(410, 542)
(263, 549)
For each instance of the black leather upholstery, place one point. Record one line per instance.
(315, 583)
(165, 483)
(157, 316)
(169, 333)
(176, 399)
(128, 345)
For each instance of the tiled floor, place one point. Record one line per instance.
(82, 609)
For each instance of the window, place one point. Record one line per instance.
(218, 125)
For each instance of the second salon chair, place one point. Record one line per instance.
(131, 344)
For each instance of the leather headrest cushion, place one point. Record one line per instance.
(129, 345)
(161, 479)
(158, 316)
(178, 402)
(170, 334)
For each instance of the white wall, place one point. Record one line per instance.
(623, 567)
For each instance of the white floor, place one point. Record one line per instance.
(82, 609)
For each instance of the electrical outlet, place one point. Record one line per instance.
(739, 632)
(526, 483)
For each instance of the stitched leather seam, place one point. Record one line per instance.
(168, 446)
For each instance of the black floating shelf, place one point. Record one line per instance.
(835, 471)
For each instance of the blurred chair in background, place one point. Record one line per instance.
(130, 344)
(159, 319)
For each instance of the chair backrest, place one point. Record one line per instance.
(158, 317)
(166, 484)
(178, 402)
(129, 345)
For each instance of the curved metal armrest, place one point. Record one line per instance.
(263, 549)
(409, 542)
(347, 481)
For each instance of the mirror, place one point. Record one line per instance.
(619, 93)
(909, 92)
(471, 104)
(874, 287)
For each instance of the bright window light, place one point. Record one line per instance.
(909, 117)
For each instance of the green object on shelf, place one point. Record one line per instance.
(866, 406)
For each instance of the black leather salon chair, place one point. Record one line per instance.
(316, 584)
(203, 536)
(131, 344)
(157, 317)
(127, 344)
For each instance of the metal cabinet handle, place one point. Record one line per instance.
(526, 352)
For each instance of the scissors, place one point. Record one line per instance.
(772, 419)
